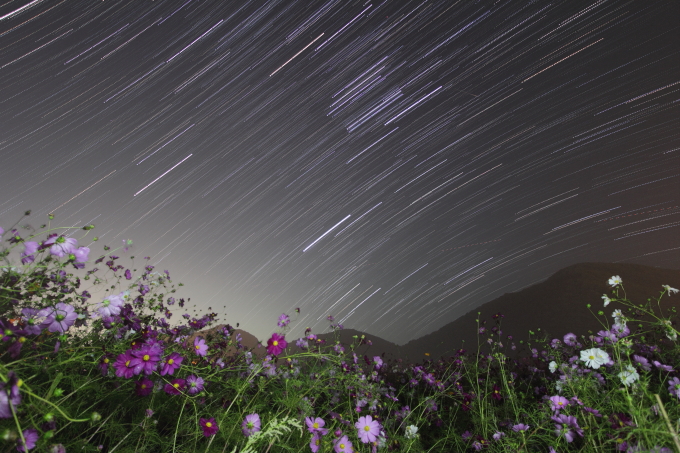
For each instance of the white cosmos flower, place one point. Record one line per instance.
(411, 431)
(553, 366)
(606, 299)
(594, 358)
(615, 281)
(669, 289)
(629, 375)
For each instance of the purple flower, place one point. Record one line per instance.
(27, 256)
(343, 445)
(200, 346)
(59, 318)
(520, 428)
(61, 246)
(251, 424)
(81, 254)
(284, 320)
(124, 367)
(662, 366)
(9, 395)
(209, 426)
(146, 357)
(367, 429)
(570, 339)
(643, 362)
(674, 387)
(314, 443)
(564, 425)
(31, 319)
(111, 305)
(143, 387)
(558, 402)
(171, 363)
(276, 344)
(316, 426)
(195, 384)
(175, 387)
(31, 436)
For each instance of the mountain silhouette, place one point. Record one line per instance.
(553, 307)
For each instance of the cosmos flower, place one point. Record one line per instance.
(195, 384)
(209, 426)
(276, 344)
(144, 387)
(124, 367)
(615, 281)
(343, 445)
(171, 363)
(251, 424)
(111, 305)
(284, 320)
(411, 431)
(669, 289)
(175, 387)
(594, 357)
(315, 443)
(31, 436)
(200, 346)
(629, 375)
(58, 318)
(367, 429)
(27, 256)
(520, 428)
(558, 402)
(316, 426)
(570, 339)
(61, 246)
(606, 299)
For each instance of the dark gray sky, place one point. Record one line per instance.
(392, 163)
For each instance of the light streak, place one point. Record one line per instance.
(143, 188)
(53, 210)
(291, 58)
(324, 235)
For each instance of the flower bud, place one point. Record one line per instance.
(58, 392)
(8, 435)
(48, 417)
(95, 417)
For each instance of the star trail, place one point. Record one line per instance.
(392, 163)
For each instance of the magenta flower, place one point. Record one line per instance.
(146, 357)
(284, 320)
(124, 366)
(251, 424)
(200, 346)
(276, 344)
(144, 387)
(209, 426)
(171, 363)
(367, 429)
(175, 387)
(195, 384)
(316, 426)
(59, 318)
(61, 246)
(27, 256)
(31, 436)
(343, 445)
(315, 443)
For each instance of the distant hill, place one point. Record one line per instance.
(556, 306)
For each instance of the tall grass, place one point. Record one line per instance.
(99, 380)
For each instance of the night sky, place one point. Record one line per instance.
(392, 163)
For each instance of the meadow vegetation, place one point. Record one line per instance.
(111, 374)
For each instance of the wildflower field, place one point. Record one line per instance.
(85, 374)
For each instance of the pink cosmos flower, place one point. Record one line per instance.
(343, 445)
(124, 367)
(58, 318)
(251, 424)
(316, 426)
(144, 387)
(61, 246)
(111, 305)
(209, 426)
(367, 429)
(558, 402)
(171, 363)
(200, 346)
(276, 344)
(27, 256)
(31, 436)
(195, 384)
(146, 357)
(175, 387)
(314, 443)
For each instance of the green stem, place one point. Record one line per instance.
(174, 442)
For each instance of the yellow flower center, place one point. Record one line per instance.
(208, 425)
(275, 343)
(366, 428)
(146, 357)
(176, 385)
(316, 425)
(342, 446)
(106, 360)
(143, 386)
(592, 357)
(171, 361)
(127, 363)
(198, 347)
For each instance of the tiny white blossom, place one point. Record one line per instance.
(606, 299)
(669, 289)
(615, 281)
(411, 431)
(629, 375)
(553, 366)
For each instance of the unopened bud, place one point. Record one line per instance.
(95, 417)
(48, 417)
